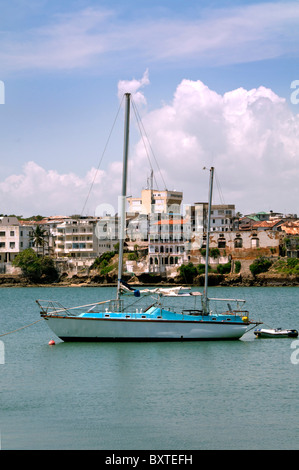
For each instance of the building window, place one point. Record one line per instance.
(255, 243)
(221, 243)
(238, 242)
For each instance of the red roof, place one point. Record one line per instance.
(291, 228)
(267, 223)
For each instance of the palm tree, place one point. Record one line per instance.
(38, 238)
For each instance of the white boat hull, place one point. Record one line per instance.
(91, 329)
(275, 333)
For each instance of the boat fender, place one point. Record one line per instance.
(245, 319)
(51, 342)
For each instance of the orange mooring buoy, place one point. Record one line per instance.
(51, 342)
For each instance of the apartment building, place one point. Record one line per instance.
(11, 239)
(106, 233)
(15, 236)
(75, 238)
(156, 201)
(223, 218)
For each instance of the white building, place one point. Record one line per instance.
(75, 238)
(156, 201)
(14, 238)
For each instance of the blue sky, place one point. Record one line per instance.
(195, 65)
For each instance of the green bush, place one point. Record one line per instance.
(292, 262)
(214, 253)
(103, 261)
(237, 267)
(201, 268)
(224, 268)
(260, 265)
(106, 270)
(133, 256)
(188, 272)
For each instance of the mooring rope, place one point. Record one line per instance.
(22, 328)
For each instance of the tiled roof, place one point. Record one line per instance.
(267, 223)
(291, 228)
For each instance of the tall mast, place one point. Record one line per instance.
(122, 232)
(205, 292)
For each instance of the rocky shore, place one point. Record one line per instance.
(97, 280)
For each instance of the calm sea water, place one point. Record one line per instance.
(200, 395)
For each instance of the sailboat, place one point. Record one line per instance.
(110, 320)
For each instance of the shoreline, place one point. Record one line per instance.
(229, 280)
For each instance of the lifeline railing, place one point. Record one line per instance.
(53, 307)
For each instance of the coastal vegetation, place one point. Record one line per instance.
(39, 269)
(36, 268)
(260, 265)
(189, 271)
(289, 266)
(103, 263)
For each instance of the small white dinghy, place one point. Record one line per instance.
(275, 333)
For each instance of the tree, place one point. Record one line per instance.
(38, 237)
(34, 267)
(188, 272)
(29, 262)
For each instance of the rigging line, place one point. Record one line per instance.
(22, 328)
(139, 120)
(219, 189)
(105, 148)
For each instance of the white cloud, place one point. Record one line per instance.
(250, 136)
(46, 192)
(133, 87)
(95, 37)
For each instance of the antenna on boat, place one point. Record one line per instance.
(205, 292)
(123, 194)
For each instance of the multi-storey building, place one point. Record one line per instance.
(156, 201)
(106, 232)
(75, 238)
(168, 242)
(12, 239)
(16, 236)
(223, 218)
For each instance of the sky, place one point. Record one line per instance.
(214, 83)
